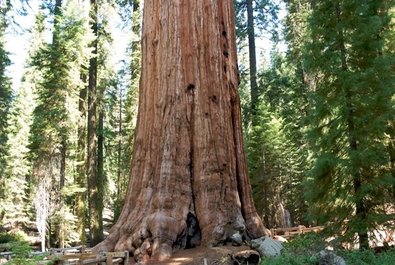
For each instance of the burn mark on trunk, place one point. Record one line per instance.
(214, 99)
(190, 87)
(193, 234)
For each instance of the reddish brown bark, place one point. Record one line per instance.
(189, 174)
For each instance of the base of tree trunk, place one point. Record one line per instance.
(225, 255)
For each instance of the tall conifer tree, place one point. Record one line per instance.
(5, 95)
(18, 169)
(54, 116)
(352, 107)
(94, 183)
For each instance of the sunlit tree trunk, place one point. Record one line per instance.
(252, 58)
(189, 183)
(95, 206)
(80, 180)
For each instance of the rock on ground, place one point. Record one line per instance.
(267, 246)
(329, 258)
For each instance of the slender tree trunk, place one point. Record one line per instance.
(95, 213)
(189, 183)
(80, 204)
(63, 153)
(361, 210)
(100, 161)
(391, 151)
(5, 105)
(43, 242)
(119, 159)
(62, 135)
(252, 56)
(135, 75)
(135, 63)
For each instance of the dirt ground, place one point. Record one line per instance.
(201, 256)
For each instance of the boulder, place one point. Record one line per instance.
(237, 239)
(329, 258)
(267, 246)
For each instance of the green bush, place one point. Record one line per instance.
(368, 257)
(301, 250)
(17, 236)
(288, 259)
(22, 254)
(386, 258)
(16, 242)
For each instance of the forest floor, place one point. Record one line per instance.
(202, 256)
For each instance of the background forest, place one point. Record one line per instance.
(317, 89)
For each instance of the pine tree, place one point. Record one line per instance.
(351, 111)
(285, 101)
(81, 174)
(95, 184)
(126, 130)
(251, 14)
(56, 114)
(267, 151)
(120, 103)
(107, 83)
(5, 101)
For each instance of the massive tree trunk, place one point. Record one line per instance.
(189, 183)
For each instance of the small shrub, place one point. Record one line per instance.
(368, 257)
(304, 249)
(286, 258)
(386, 258)
(14, 236)
(310, 243)
(301, 250)
(22, 254)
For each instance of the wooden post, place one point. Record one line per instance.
(109, 258)
(126, 259)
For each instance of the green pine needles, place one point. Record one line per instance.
(351, 60)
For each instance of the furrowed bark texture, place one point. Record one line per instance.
(189, 183)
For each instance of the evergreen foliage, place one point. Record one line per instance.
(55, 115)
(267, 147)
(5, 102)
(351, 109)
(304, 250)
(286, 97)
(16, 185)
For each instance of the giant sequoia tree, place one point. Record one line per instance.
(188, 184)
